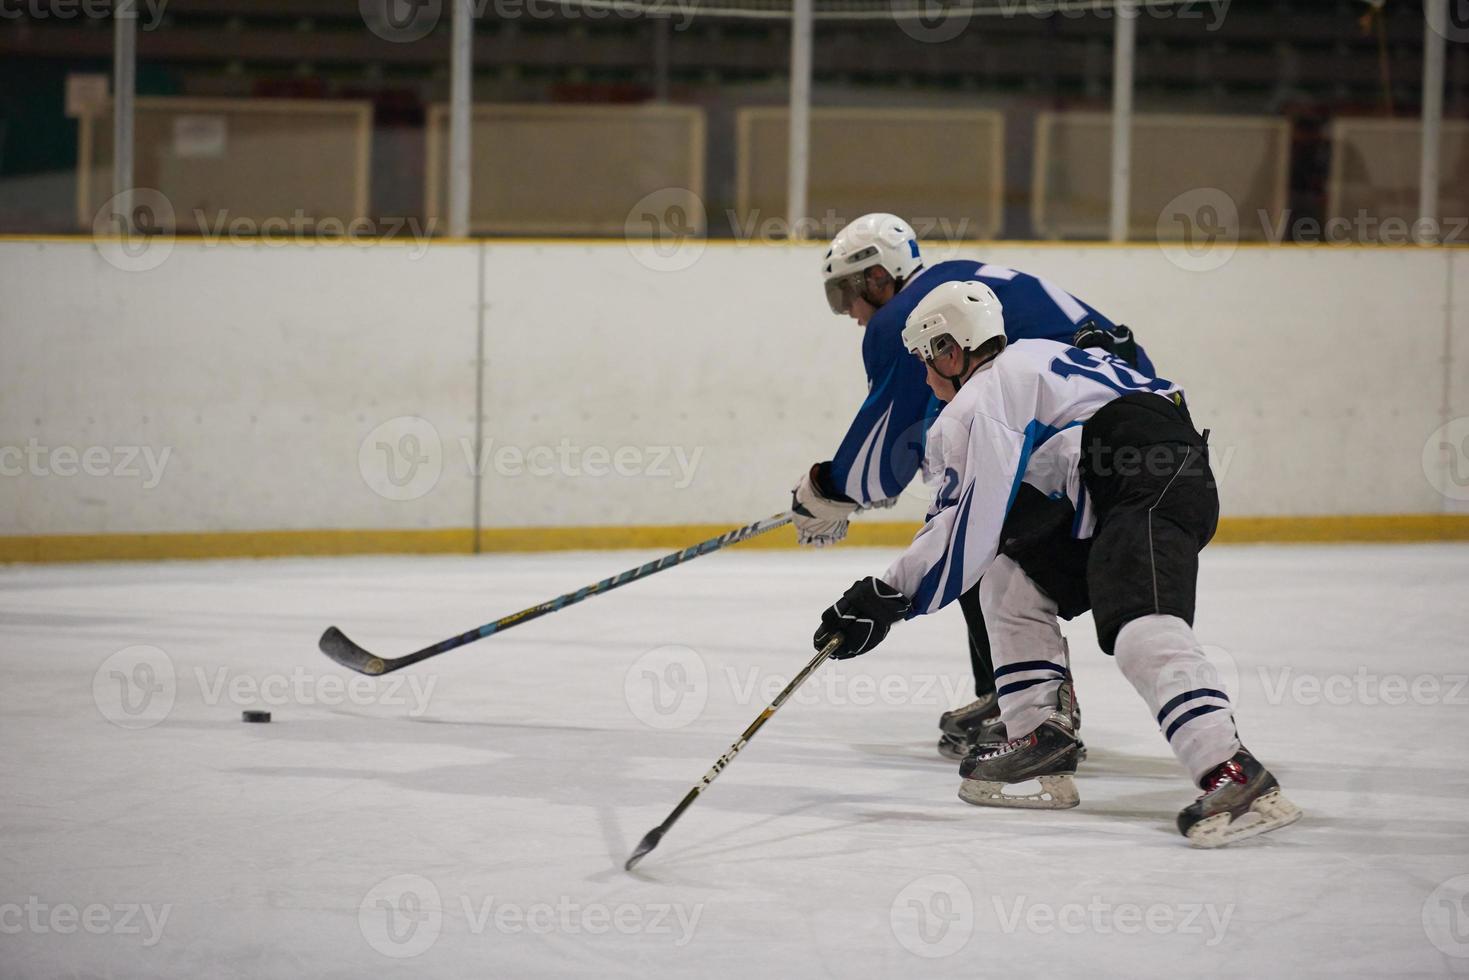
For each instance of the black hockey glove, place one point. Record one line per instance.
(863, 616)
(1119, 341)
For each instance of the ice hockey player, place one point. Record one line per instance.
(874, 273)
(1121, 450)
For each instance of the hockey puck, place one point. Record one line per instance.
(255, 716)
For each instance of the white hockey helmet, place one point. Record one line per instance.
(873, 239)
(969, 312)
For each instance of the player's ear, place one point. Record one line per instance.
(950, 354)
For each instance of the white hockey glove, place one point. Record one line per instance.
(820, 521)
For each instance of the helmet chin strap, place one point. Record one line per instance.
(966, 370)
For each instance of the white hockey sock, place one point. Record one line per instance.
(1028, 651)
(1163, 659)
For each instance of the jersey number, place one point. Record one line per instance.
(949, 492)
(1112, 372)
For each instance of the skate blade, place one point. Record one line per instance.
(1270, 812)
(1055, 793)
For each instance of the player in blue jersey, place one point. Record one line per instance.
(874, 273)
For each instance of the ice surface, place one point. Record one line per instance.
(478, 820)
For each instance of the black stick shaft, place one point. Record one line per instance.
(335, 644)
(651, 838)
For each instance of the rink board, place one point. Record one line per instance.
(245, 399)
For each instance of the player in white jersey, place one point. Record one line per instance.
(1037, 421)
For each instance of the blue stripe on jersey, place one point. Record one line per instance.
(1037, 433)
(955, 584)
(929, 586)
(874, 449)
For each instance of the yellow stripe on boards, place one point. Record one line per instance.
(276, 544)
(230, 544)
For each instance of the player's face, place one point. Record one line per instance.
(938, 384)
(861, 295)
(950, 362)
(861, 311)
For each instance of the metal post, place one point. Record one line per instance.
(461, 67)
(1122, 69)
(661, 56)
(799, 162)
(1435, 15)
(124, 84)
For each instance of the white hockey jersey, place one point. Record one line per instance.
(1017, 420)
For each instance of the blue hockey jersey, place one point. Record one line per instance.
(884, 447)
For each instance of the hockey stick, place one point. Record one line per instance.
(651, 838)
(335, 644)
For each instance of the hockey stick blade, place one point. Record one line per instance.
(650, 840)
(335, 644)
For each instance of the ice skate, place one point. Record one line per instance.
(972, 726)
(1034, 771)
(1241, 800)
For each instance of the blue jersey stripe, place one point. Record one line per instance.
(929, 585)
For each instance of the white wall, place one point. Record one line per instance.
(261, 370)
